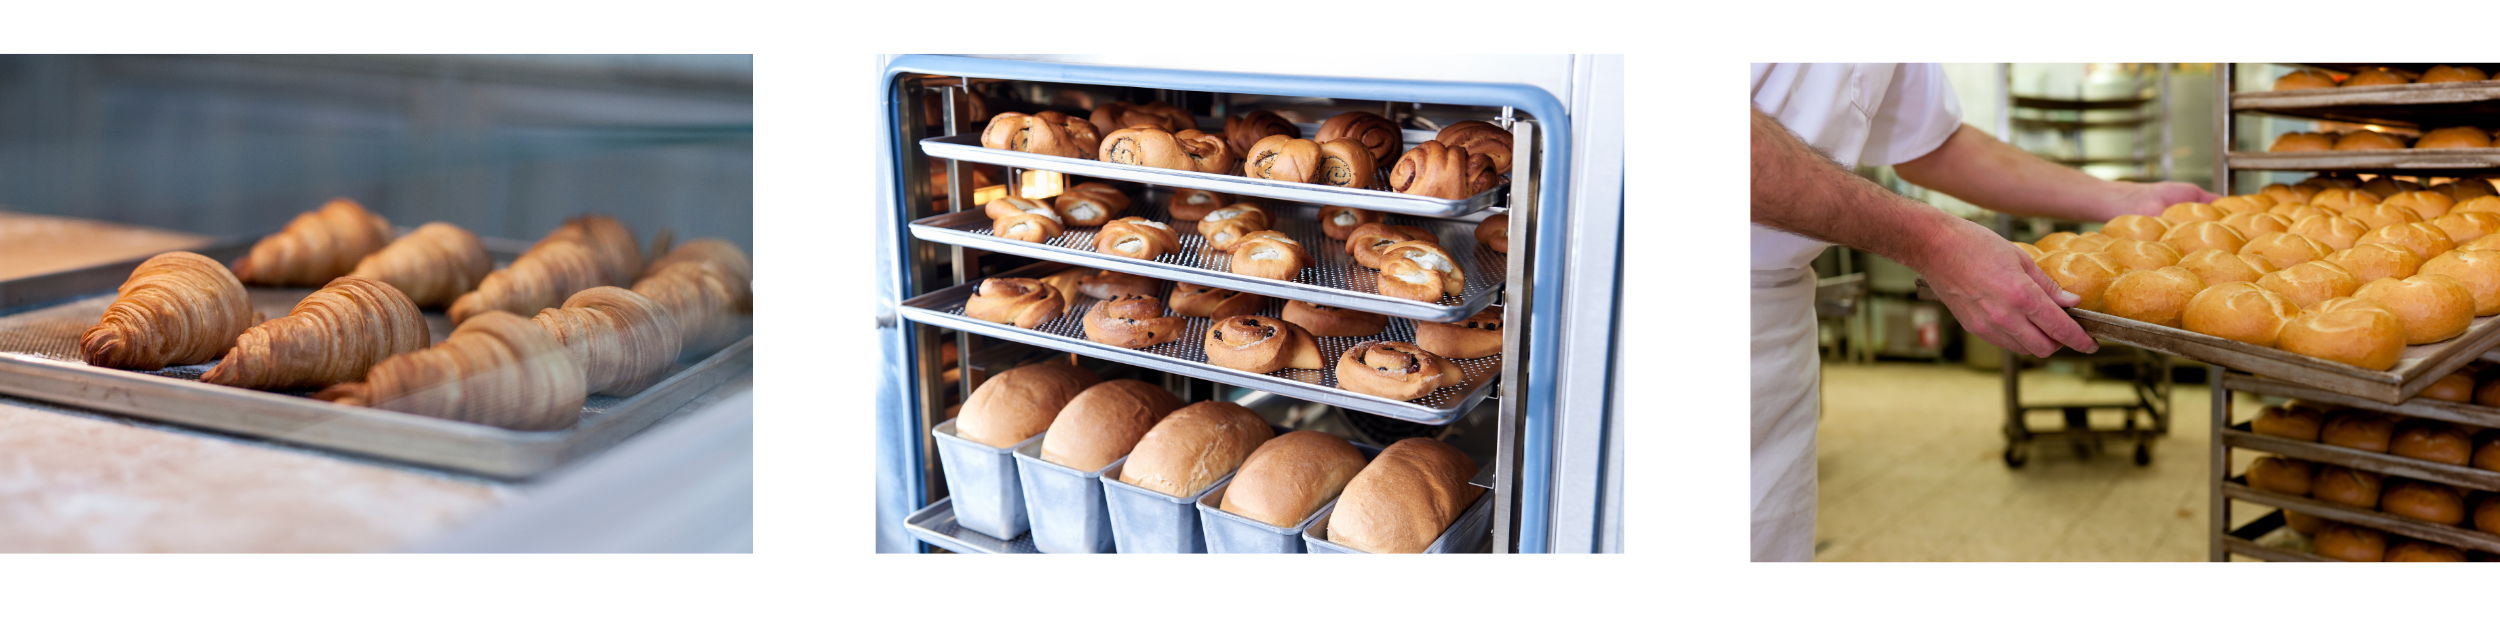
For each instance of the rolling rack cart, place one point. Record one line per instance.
(1554, 474)
(2421, 106)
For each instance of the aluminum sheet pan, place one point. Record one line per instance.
(936, 525)
(967, 147)
(1188, 355)
(1334, 278)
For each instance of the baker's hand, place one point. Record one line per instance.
(2141, 198)
(1996, 291)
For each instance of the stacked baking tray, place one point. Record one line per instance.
(2244, 539)
(967, 147)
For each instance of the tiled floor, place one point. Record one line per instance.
(1912, 469)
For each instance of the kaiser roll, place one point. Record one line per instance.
(2358, 430)
(2157, 297)
(2054, 241)
(2184, 212)
(2463, 228)
(2487, 515)
(2376, 77)
(2030, 251)
(2302, 142)
(2299, 211)
(2455, 387)
(2372, 261)
(2257, 225)
(2424, 239)
(2345, 199)
(2296, 422)
(2336, 231)
(2388, 187)
(1101, 424)
(2238, 311)
(2430, 308)
(2305, 79)
(1292, 476)
(2217, 266)
(2424, 501)
(1018, 403)
(2483, 204)
(2457, 137)
(2134, 255)
(2243, 204)
(2428, 204)
(1194, 447)
(2432, 441)
(2348, 330)
(2423, 551)
(2189, 237)
(2344, 485)
(2285, 194)
(2368, 140)
(2138, 227)
(2282, 475)
(2478, 270)
(2311, 282)
(2443, 73)
(1405, 498)
(2084, 274)
(2351, 543)
(2382, 215)
(2088, 242)
(2284, 249)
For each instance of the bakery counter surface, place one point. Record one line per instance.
(967, 147)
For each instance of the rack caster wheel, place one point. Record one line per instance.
(2143, 454)
(2015, 457)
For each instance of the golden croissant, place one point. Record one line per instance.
(432, 266)
(318, 245)
(705, 285)
(624, 341)
(178, 308)
(497, 369)
(1261, 345)
(1377, 134)
(585, 252)
(1395, 370)
(332, 336)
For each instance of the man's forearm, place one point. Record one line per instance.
(1982, 170)
(1798, 190)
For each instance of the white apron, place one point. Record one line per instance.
(1787, 403)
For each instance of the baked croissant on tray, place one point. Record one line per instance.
(705, 285)
(587, 251)
(332, 336)
(433, 265)
(177, 308)
(316, 246)
(624, 341)
(497, 369)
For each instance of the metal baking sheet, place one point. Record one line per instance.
(39, 359)
(1187, 356)
(2464, 476)
(936, 525)
(2424, 407)
(2431, 162)
(2417, 105)
(1333, 279)
(2238, 488)
(967, 147)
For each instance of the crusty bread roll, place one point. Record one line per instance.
(2484, 204)
(2286, 194)
(2029, 250)
(2443, 73)
(2365, 431)
(2487, 515)
(2217, 266)
(2257, 224)
(2055, 241)
(2344, 485)
(2382, 215)
(2302, 142)
(2351, 543)
(2088, 242)
(2455, 387)
(2370, 262)
(2184, 212)
(2376, 77)
(2294, 212)
(1404, 500)
(2249, 203)
(2456, 137)
(2239, 311)
(2479, 270)
(2423, 551)
(1292, 476)
(2346, 199)
(2336, 231)
(2424, 239)
(2134, 255)
(2084, 274)
(2138, 227)
(2305, 79)
(2284, 249)
(2423, 501)
(2311, 282)
(2486, 242)
(1102, 423)
(2282, 475)
(2294, 422)
(2470, 189)
(2430, 308)
(2189, 237)
(2464, 228)
(1018, 403)
(2487, 453)
(2348, 330)
(2304, 524)
(1194, 447)
(2389, 186)
(2431, 205)
(2157, 296)
(2432, 440)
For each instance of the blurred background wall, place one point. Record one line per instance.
(505, 145)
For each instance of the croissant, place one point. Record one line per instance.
(1270, 254)
(1132, 321)
(318, 245)
(1021, 302)
(1225, 227)
(1494, 232)
(1376, 133)
(177, 308)
(332, 336)
(1245, 130)
(587, 251)
(1194, 204)
(1478, 336)
(1479, 137)
(1369, 240)
(1111, 284)
(623, 341)
(1190, 150)
(1111, 116)
(732, 262)
(704, 284)
(1040, 135)
(432, 266)
(1420, 271)
(1282, 158)
(1206, 301)
(1261, 345)
(1326, 320)
(1136, 237)
(1339, 222)
(1091, 204)
(1436, 170)
(497, 369)
(1395, 370)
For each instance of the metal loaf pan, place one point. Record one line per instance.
(967, 147)
(936, 524)
(1334, 278)
(1065, 505)
(982, 482)
(1145, 521)
(1471, 532)
(1232, 533)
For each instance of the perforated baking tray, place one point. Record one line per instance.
(39, 359)
(967, 147)
(1187, 356)
(1334, 278)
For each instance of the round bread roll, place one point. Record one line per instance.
(2138, 227)
(2487, 515)
(2348, 330)
(2463, 228)
(1405, 498)
(2239, 311)
(2430, 308)
(2373, 261)
(1292, 476)
(2189, 237)
(2257, 224)
(2243, 204)
(2332, 181)
(2443, 73)
(2368, 140)
(1103, 423)
(2431, 440)
(2345, 200)
(2382, 215)
(2310, 283)
(2457, 137)
(2217, 266)
(2389, 186)
(1194, 447)
(2305, 79)
(2054, 241)
(2485, 242)
(2134, 255)
(2423, 551)
(2479, 270)
(2344, 485)
(2084, 274)
(2487, 453)
(2282, 475)
(2185, 212)
(2337, 232)
(2029, 250)
(2487, 393)
(2285, 194)
(2302, 142)
(2469, 189)
(2358, 430)
(2284, 249)
(1018, 403)
(2299, 423)
(2484, 204)
(2376, 77)
(2428, 204)
(2455, 387)
(2351, 543)
(2423, 501)
(2303, 523)
(2295, 212)
(2088, 242)
(2156, 296)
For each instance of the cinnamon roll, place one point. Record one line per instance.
(1494, 232)
(1091, 204)
(1326, 320)
(1245, 130)
(1377, 134)
(1420, 271)
(1344, 163)
(1214, 303)
(1021, 302)
(1132, 321)
(1339, 222)
(1082, 134)
(1261, 345)
(1038, 135)
(1190, 150)
(1395, 370)
(1224, 227)
(1480, 137)
(1110, 284)
(1269, 254)
(1369, 240)
(1282, 158)
(1113, 116)
(1437, 170)
(1136, 237)
(1477, 336)
(1194, 204)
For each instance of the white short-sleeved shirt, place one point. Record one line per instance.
(1860, 114)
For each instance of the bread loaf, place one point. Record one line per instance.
(2479, 270)
(2430, 308)
(1404, 499)
(2239, 311)
(1018, 403)
(2283, 475)
(2464, 228)
(2310, 283)
(2423, 501)
(2456, 387)
(1194, 447)
(2432, 441)
(2344, 485)
(2358, 430)
(2296, 422)
(2351, 543)
(2348, 330)
(1102, 423)
(1292, 476)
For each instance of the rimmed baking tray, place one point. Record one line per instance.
(967, 147)
(1333, 279)
(2453, 412)
(1187, 356)
(936, 524)
(2244, 437)
(39, 359)
(2462, 538)
(2431, 162)
(2411, 105)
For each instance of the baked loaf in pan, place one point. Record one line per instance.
(315, 247)
(433, 265)
(1291, 476)
(1101, 424)
(1194, 447)
(1018, 403)
(177, 308)
(497, 369)
(1404, 499)
(330, 337)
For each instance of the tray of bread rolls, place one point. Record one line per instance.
(48, 342)
(1187, 355)
(2417, 499)
(2415, 162)
(1334, 276)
